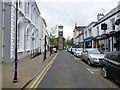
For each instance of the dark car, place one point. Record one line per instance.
(110, 66)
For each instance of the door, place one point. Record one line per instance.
(114, 65)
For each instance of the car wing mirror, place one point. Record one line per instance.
(118, 64)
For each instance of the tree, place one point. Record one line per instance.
(52, 39)
(68, 41)
(53, 31)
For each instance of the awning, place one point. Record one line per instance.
(107, 35)
(89, 39)
(100, 37)
(114, 33)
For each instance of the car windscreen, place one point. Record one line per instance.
(93, 51)
(80, 49)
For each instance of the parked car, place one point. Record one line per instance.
(73, 50)
(110, 65)
(103, 51)
(92, 56)
(54, 50)
(78, 52)
(69, 49)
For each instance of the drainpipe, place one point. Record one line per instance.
(3, 29)
(112, 44)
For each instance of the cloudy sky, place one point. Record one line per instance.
(69, 12)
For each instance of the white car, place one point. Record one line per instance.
(92, 56)
(54, 50)
(73, 50)
(69, 49)
(78, 52)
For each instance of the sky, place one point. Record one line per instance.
(69, 12)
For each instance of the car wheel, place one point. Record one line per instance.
(89, 62)
(104, 71)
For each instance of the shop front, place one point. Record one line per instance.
(115, 40)
(102, 42)
(88, 42)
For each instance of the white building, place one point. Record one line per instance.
(29, 29)
(95, 37)
(88, 35)
(77, 30)
(43, 33)
(108, 39)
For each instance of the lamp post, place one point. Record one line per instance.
(83, 40)
(40, 47)
(45, 48)
(16, 60)
(50, 44)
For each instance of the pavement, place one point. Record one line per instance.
(28, 69)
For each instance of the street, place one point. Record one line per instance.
(68, 71)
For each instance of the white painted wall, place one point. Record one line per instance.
(43, 32)
(0, 44)
(28, 24)
(109, 26)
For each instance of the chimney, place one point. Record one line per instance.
(99, 16)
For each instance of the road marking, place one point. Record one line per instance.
(41, 76)
(96, 70)
(90, 71)
(76, 58)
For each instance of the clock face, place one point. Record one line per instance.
(60, 33)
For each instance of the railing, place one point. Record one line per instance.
(35, 52)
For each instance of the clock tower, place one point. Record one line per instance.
(60, 37)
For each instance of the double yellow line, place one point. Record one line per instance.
(41, 76)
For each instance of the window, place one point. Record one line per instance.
(98, 30)
(108, 56)
(113, 23)
(90, 32)
(25, 7)
(118, 58)
(114, 56)
(27, 34)
(86, 33)
(19, 4)
(28, 7)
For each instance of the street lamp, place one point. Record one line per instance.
(16, 60)
(50, 43)
(83, 40)
(40, 46)
(45, 48)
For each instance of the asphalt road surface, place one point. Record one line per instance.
(70, 72)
